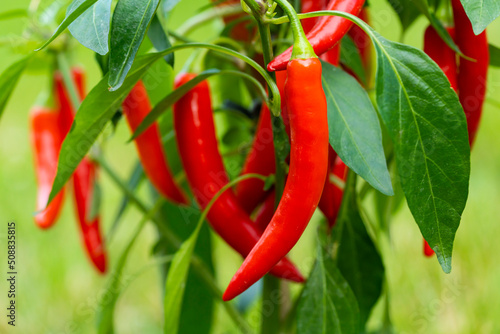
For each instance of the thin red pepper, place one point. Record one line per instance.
(84, 180)
(307, 110)
(239, 31)
(149, 147)
(362, 40)
(260, 160)
(472, 75)
(331, 199)
(442, 54)
(84, 177)
(46, 141)
(327, 32)
(332, 56)
(195, 131)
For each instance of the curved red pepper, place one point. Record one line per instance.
(442, 54)
(195, 131)
(326, 33)
(332, 56)
(428, 251)
(308, 6)
(362, 40)
(46, 141)
(307, 110)
(472, 75)
(239, 31)
(260, 160)
(149, 147)
(84, 177)
(331, 199)
(84, 180)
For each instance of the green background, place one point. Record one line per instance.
(58, 291)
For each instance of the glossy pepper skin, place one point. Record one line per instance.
(327, 32)
(84, 180)
(46, 141)
(471, 75)
(260, 160)
(428, 251)
(195, 131)
(84, 177)
(149, 146)
(332, 56)
(307, 110)
(442, 54)
(331, 199)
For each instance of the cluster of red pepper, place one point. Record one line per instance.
(49, 128)
(246, 217)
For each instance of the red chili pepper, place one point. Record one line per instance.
(428, 251)
(260, 160)
(84, 179)
(331, 199)
(306, 105)
(239, 31)
(195, 130)
(66, 111)
(149, 147)
(332, 56)
(442, 54)
(327, 32)
(471, 74)
(362, 40)
(46, 141)
(308, 6)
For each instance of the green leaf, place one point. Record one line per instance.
(91, 28)
(407, 12)
(494, 56)
(357, 258)
(9, 79)
(159, 39)
(350, 57)
(78, 8)
(327, 304)
(354, 128)
(130, 22)
(176, 282)
(198, 302)
(481, 13)
(177, 94)
(94, 113)
(428, 127)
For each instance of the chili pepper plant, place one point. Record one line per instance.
(289, 116)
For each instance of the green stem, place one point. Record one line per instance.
(270, 323)
(68, 81)
(302, 49)
(197, 264)
(206, 16)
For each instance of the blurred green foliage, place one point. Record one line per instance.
(58, 291)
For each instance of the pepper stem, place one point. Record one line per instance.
(302, 49)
